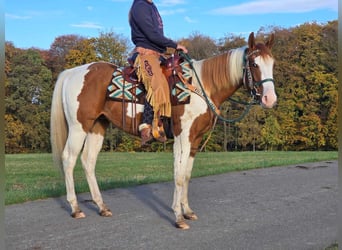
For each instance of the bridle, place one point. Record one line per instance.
(249, 78)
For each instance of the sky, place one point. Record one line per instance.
(36, 23)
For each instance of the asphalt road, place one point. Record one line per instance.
(291, 207)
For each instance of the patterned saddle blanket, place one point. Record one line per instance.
(125, 86)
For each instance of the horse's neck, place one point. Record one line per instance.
(217, 91)
(222, 95)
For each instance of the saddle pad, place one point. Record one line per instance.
(119, 89)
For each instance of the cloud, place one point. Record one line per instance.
(33, 14)
(17, 17)
(189, 20)
(87, 25)
(171, 12)
(271, 6)
(171, 2)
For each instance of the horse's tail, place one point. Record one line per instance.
(58, 125)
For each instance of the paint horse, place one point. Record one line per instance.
(81, 112)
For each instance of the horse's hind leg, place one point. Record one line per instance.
(71, 150)
(92, 147)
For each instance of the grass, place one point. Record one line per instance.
(32, 176)
(333, 246)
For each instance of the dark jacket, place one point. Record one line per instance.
(147, 27)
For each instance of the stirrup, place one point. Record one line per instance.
(145, 133)
(158, 130)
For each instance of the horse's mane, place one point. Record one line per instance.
(224, 69)
(236, 62)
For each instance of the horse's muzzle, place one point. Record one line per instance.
(269, 97)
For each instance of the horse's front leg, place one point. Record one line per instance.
(181, 151)
(187, 211)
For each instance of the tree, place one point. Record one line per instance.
(251, 126)
(306, 82)
(310, 133)
(28, 101)
(231, 42)
(14, 131)
(58, 51)
(270, 133)
(83, 52)
(200, 46)
(111, 47)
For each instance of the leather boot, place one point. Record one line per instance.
(145, 133)
(158, 130)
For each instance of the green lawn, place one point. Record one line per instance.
(33, 176)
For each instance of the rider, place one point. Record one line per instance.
(148, 36)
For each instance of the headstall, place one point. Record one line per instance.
(248, 79)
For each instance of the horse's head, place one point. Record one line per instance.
(258, 71)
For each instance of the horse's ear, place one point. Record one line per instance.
(270, 41)
(251, 41)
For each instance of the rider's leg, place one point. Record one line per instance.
(146, 127)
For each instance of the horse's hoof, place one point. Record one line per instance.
(78, 215)
(182, 225)
(106, 213)
(191, 216)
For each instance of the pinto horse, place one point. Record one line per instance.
(81, 112)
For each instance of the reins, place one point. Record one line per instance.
(211, 105)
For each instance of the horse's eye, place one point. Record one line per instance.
(254, 65)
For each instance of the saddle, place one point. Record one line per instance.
(129, 72)
(170, 66)
(125, 84)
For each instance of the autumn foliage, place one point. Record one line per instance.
(305, 74)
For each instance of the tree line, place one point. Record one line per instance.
(305, 74)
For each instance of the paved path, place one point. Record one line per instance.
(291, 207)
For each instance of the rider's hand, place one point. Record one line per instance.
(183, 48)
